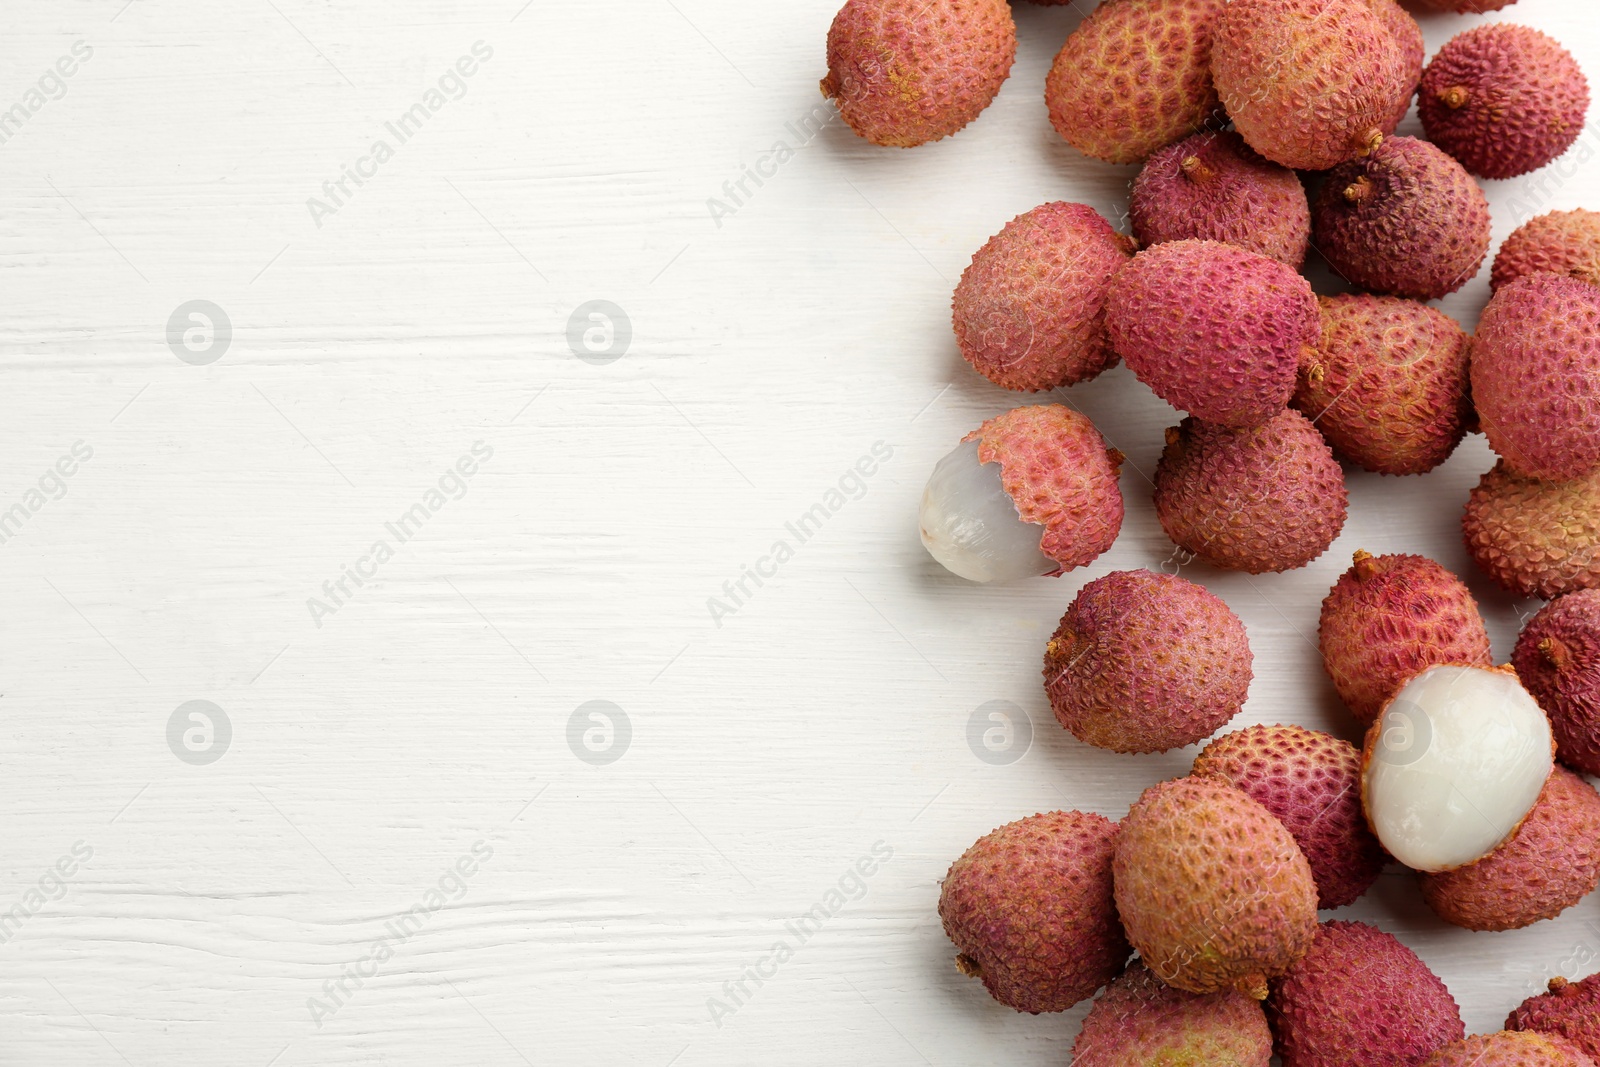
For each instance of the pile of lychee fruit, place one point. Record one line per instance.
(1470, 773)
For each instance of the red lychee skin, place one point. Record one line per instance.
(1134, 76)
(1536, 376)
(1270, 498)
(905, 72)
(1509, 1049)
(1214, 187)
(1387, 619)
(1312, 782)
(1360, 997)
(1059, 473)
(1570, 1010)
(1535, 538)
(1406, 220)
(1146, 662)
(1558, 659)
(1503, 99)
(1140, 1022)
(1309, 83)
(1562, 242)
(1029, 311)
(1548, 865)
(1388, 384)
(1398, 21)
(1213, 330)
(1030, 909)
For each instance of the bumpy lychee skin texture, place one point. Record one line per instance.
(1503, 99)
(1212, 889)
(1550, 863)
(1558, 659)
(1141, 1022)
(1387, 619)
(1056, 468)
(1536, 376)
(1535, 538)
(1214, 187)
(1398, 21)
(1562, 242)
(1135, 75)
(1213, 330)
(1312, 782)
(1270, 498)
(904, 72)
(1387, 385)
(1406, 220)
(1509, 1049)
(1029, 907)
(1570, 1010)
(1030, 309)
(1360, 997)
(1145, 662)
(1309, 83)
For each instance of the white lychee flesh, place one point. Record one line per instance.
(1453, 766)
(971, 526)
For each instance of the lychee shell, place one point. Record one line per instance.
(1509, 1049)
(1535, 538)
(1557, 656)
(1141, 1022)
(1570, 1010)
(1562, 242)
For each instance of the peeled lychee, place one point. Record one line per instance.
(1033, 491)
(1535, 538)
(1145, 662)
(1030, 309)
(1212, 889)
(1214, 187)
(1536, 376)
(1029, 907)
(1570, 1010)
(1309, 83)
(1548, 865)
(904, 72)
(1135, 75)
(1141, 1022)
(1509, 1049)
(1405, 220)
(1214, 330)
(1360, 997)
(1312, 782)
(1269, 498)
(1453, 765)
(1503, 99)
(1558, 659)
(1563, 242)
(1387, 386)
(1387, 619)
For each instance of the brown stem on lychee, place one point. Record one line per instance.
(1173, 436)
(1556, 653)
(1365, 567)
(1367, 141)
(1359, 191)
(1455, 97)
(1315, 373)
(830, 86)
(1195, 170)
(968, 966)
(1116, 457)
(1128, 244)
(1558, 983)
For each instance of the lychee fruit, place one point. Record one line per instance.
(1405, 220)
(1212, 889)
(1535, 538)
(1029, 907)
(1548, 865)
(1145, 662)
(1360, 997)
(1570, 1010)
(1139, 1021)
(1387, 385)
(1562, 242)
(1509, 1049)
(1503, 99)
(1453, 765)
(1033, 491)
(1413, 50)
(1536, 376)
(1268, 498)
(1387, 619)
(1309, 83)
(1214, 187)
(904, 72)
(1558, 659)
(1214, 330)
(1134, 76)
(1030, 308)
(1312, 782)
